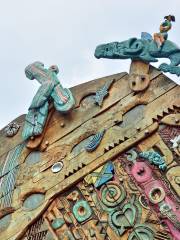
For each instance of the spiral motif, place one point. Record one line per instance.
(112, 194)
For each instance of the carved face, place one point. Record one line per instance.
(122, 50)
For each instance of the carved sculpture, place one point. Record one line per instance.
(124, 184)
(95, 141)
(162, 36)
(50, 90)
(110, 192)
(102, 93)
(156, 191)
(144, 49)
(154, 158)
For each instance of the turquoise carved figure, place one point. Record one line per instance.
(154, 158)
(145, 49)
(50, 90)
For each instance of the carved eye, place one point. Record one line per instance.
(133, 83)
(135, 45)
(107, 49)
(143, 78)
(54, 68)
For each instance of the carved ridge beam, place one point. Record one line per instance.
(105, 108)
(79, 158)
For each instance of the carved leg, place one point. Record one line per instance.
(36, 141)
(158, 40)
(173, 67)
(164, 67)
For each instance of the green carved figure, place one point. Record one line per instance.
(164, 28)
(50, 90)
(145, 49)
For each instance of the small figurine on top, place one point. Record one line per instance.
(160, 37)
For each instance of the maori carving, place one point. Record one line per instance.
(110, 211)
(132, 155)
(162, 36)
(102, 93)
(50, 89)
(101, 175)
(166, 211)
(168, 133)
(8, 175)
(144, 49)
(170, 137)
(172, 119)
(162, 235)
(11, 129)
(154, 158)
(173, 175)
(141, 49)
(157, 193)
(38, 231)
(112, 195)
(142, 231)
(107, 194)
(82, 211)
(57, 223)
(121, 220)
(94, 142)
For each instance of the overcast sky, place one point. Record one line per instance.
(66, 32)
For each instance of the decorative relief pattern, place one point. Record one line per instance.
(101, 175)
(8, 174)
(110, 210)
(158, 193)
(12, 129)
(94, 142)
(154, 158)
(102, 93)
(38, 231)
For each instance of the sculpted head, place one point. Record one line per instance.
(32, 69)
(106, 50)
(54, 68)
(120, 50)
